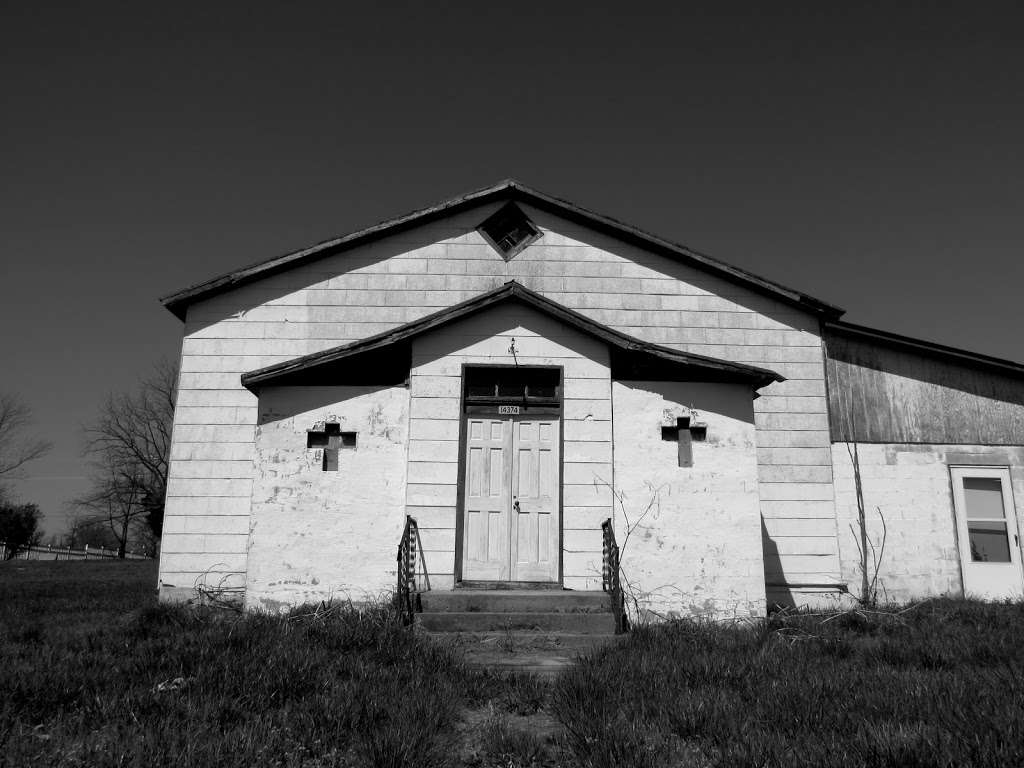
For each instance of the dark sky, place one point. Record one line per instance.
(870, 157)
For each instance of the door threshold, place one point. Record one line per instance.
(508, 585)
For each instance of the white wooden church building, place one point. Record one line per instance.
(511, 371)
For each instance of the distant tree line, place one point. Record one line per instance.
(19, 522)
(128, 445)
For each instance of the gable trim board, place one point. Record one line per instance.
(709, 369)
(513, 190)
(929, 348)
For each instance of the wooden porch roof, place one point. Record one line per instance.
(386, 357)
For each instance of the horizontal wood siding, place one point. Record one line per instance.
(348, 296)
(435, 389)
(880, 394)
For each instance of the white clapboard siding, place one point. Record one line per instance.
(351, 295)
(209, 524)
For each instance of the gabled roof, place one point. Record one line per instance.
(505, 190)
(381, 354)
(928, 348)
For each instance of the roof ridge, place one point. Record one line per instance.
(178, 301)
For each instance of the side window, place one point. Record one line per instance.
(986, 520)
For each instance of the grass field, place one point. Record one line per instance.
(94, 673)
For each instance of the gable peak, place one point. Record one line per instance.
(508, 231)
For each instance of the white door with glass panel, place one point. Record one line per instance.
(511, 499)
(987, 532)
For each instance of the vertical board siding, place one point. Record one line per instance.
(884, 395)
(381, 285)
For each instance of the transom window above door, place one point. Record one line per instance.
(540, 386)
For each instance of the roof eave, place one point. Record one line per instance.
(178, 302)
(757, 377)
(926, 347)
(677, 250)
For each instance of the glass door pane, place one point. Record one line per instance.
(986, 520)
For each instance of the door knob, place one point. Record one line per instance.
(515, 505)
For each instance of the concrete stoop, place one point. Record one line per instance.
(538, 632)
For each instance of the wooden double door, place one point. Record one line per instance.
(511, 498)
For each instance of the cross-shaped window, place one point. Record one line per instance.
(331, 439)
(684, 433)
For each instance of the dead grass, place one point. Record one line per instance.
(936, 684)
(492, 736)
(95, 673)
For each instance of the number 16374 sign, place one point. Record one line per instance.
(508, 410)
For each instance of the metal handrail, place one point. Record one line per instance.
(610, 581)
(412, 571)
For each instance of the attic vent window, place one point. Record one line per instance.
(509, 231)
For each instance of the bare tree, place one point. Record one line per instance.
(116, 498)
(129, 444)
(17, 449)
(86, 531)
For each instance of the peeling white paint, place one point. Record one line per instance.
(315, 534)
(690, 536)
(909, 486)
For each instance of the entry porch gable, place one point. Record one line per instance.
(512, 330)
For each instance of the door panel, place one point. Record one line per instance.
(987, 532)
(512, 502)
(535, 500)
(487, 499)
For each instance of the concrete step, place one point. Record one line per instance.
(519, 640)
(520, 652)
(517, 601)
(491, 621)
